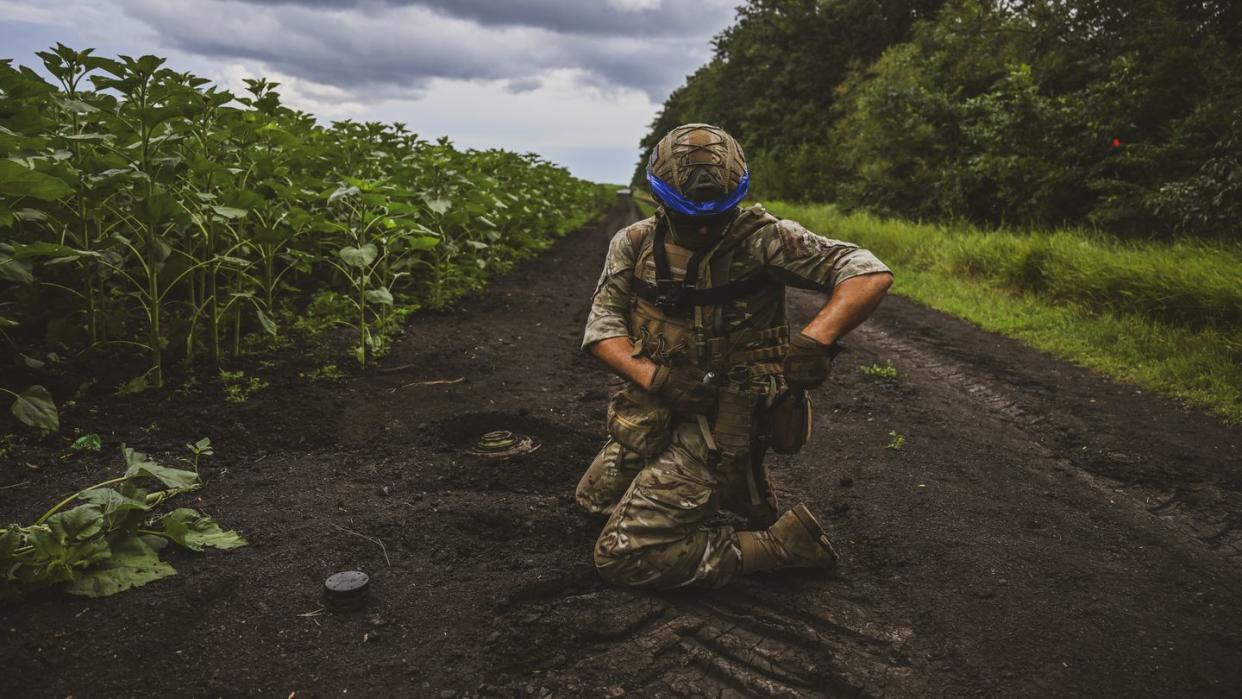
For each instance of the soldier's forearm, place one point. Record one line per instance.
(618, 354)
(852, 301)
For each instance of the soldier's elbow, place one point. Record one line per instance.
(884, 282)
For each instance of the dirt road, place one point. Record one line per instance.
(1042, 532)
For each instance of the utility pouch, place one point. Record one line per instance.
(789, 422)
(734, 427)
(639, 421)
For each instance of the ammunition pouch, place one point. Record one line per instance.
(660, 337)
(639, 421)
(788, 422)
(735, 425)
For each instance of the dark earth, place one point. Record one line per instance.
(1041, 532)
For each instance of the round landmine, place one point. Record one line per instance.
(503, 444)
(346, 591)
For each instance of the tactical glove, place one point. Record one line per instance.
(806, 363)
(683, 391)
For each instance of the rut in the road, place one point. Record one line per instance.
(737, 639)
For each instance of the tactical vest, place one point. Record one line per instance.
(682, 298)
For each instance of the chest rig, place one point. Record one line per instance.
(685, 308)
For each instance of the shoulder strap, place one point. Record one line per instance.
(663, 273)
(679, 299)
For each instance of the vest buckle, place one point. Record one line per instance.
(671, 298)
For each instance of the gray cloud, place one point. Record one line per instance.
(405, 44)
(691, 19)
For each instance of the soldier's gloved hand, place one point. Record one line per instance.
(807, 363)
(684, 390)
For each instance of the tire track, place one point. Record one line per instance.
(1202, 510)
(742, 639)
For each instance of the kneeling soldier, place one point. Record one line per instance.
(690, 310)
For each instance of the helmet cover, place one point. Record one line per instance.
(698, 170)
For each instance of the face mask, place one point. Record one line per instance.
(696, 231)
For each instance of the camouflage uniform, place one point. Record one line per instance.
(657, 505)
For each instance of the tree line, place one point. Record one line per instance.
(1124, 116)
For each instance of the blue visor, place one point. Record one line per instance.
(670, 198)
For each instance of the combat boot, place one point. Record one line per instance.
(795, 541)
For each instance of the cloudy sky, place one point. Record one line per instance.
(575, 80)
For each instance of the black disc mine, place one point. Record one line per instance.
(503, 443)
(346, 591)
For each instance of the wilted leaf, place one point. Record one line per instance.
(196, 531)
(269, 325)
(139, 464)
(439, 206)
(133, 563)
(36, 408)
(78, 524)
(341, 193)
(55, 559)
(113, 501)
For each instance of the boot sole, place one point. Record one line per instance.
(816, 531)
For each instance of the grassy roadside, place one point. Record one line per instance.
(645, 203)
(1163, 317)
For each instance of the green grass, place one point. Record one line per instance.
(645, 203)
(880, 371)
(1163, 317)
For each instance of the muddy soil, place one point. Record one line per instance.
(1041, 532)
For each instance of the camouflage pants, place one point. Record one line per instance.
(656, 535)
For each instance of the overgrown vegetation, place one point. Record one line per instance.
(1163, 316)
(110, 542)
(146, 208)
(1122, 115)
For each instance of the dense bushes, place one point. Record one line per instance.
(772, 83)
(1126, 116)
(146, 207)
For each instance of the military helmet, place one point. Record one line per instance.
(698, 170)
